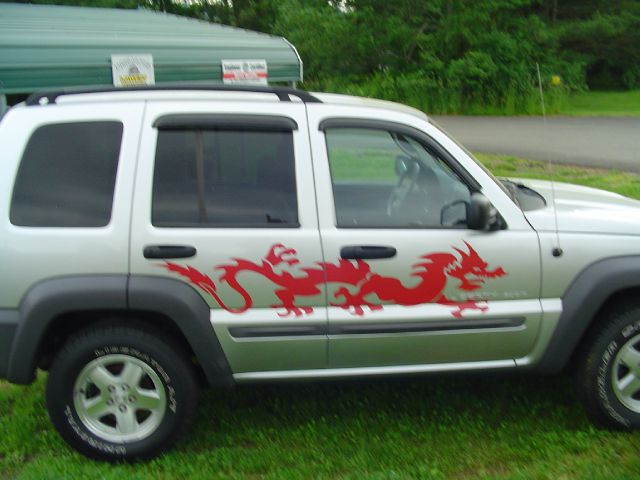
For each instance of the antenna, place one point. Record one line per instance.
(557, 250)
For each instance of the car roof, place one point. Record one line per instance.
(339, 99)
(214, 92)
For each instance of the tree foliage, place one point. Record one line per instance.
(440, 55)
(609, 43)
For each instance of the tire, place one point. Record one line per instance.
(609, 377)
(118, 393)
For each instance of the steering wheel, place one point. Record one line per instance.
(406, 183)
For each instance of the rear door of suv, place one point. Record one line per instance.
(67, 184)
(224, 200)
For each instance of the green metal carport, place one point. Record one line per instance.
(47, 47)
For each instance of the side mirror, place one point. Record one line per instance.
(481, 215)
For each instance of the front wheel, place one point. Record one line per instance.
(120, 393)
(610, 376)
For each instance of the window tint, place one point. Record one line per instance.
(384, 179)
(67, 176)
(224, 178)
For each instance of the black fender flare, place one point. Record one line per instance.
(190, 313)
(51, 298)
(581, 302)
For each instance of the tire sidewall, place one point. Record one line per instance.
(610, 405)
(60, 399)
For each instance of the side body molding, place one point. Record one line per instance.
(176, 300)
(581, 302)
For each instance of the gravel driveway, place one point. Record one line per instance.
(610, 142)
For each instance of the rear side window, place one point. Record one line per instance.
(224, 178)
(67, 176)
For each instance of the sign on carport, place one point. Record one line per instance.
(132, 70)
(252, 72)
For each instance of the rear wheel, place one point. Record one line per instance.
(120, 393)
(610, 372)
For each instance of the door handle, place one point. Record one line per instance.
(169, 251)
(363, 252)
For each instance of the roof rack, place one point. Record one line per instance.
(45, 98)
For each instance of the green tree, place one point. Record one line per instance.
(607, 39)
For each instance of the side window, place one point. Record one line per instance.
(67, 176)
(383, 179)
(224, 178)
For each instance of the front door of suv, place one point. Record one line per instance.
(232, 194)
(412, 285)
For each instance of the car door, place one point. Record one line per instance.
(69, 211)
(411, 283)
(224, 201)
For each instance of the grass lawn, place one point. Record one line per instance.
(484, 426)
(602, 103)
(431, 427)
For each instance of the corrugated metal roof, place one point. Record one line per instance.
(45, 46)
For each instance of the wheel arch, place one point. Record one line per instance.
(595, 290)
(190, 314)
(57, 307)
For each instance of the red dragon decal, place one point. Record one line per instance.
(468, 268)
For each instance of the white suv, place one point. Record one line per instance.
(151, 236)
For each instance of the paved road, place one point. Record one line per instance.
(594, 141)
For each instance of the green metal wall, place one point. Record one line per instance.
(44, 46)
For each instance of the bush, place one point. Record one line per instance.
(462, 57)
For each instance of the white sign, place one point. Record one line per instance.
(252, 72)
(132, 70)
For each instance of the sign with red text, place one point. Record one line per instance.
(247, 72)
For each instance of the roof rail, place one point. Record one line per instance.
(45, 98)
